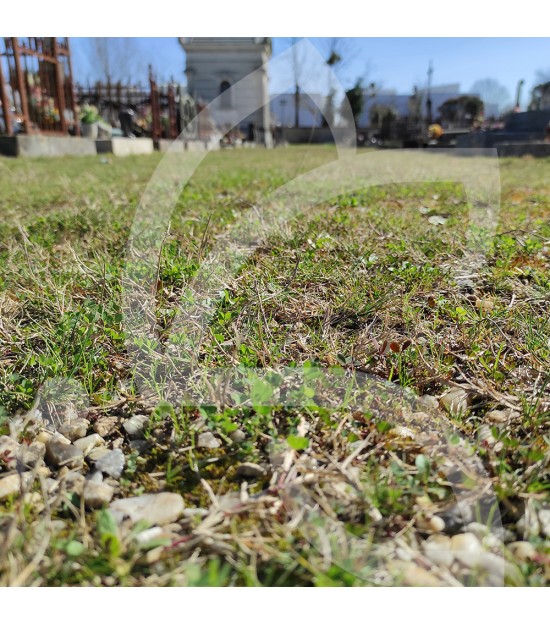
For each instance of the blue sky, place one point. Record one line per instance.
(397, 63)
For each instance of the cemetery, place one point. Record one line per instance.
(46, 112)
(245, 354)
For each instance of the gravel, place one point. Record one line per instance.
(32, 455)
(10, 485)
(88, 443)
(105, 426)
(97, 494)
(467, 549)
(157, 509)
(135, 427)
(456, 401)
(75, 429)
(207, 440)
(112, 463)
(59, 454)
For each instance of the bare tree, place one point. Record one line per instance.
(115, 58)
(492, 92)
(338, 52)
(298, 63)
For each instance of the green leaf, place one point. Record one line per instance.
(308, 391)
(423, 465)
(106, 523)
(260, 393)
(383, 427)
(298, 442)
(108, 532)
(73, 548)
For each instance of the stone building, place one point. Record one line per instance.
(214, 64)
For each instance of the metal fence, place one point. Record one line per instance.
(38, 95)
(154, 107)
(36, 86)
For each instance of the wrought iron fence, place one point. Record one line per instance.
(36, 86)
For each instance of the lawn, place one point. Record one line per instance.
(353, 398)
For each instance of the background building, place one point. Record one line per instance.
(215, 64)
(401, 103)
(310, 110)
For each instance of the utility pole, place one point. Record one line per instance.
(518, 94)
(429, 95)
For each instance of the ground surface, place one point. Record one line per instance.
(417, 389)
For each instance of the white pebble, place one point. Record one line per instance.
(88, 443)
(438, 549)
(10, 485)
(466, 549)
(207, 440)
(456, 401)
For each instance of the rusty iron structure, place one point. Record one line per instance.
(155, 106)
(36, 86)
(38, 94)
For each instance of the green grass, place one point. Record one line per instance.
(361, 283)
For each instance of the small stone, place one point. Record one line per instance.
(149, 534)
(44, 436)
(191, 513)
(456, 401)
(436, 524)
(207, 440)
(485, 435)
(112, 463)
(431, 523)
(499, 570)
(33, 454)
(157, 509)
(97, 494)
(140, 445)
(250, 469)
(10, 485)
(60, 455)
(43, 471)
(105, 426)
(98, 453)
(135, 427)
(497, 416)
(237, 436)
(96, 476)
(428, 402)
(157, 534)
(485, 304)
(414, 575)
(467, 549)
(74, 430)
(480, 530)
(9, 450)
(438, 549)
(59, 438)
(522, 550)
(74, 482)
(88, 443)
